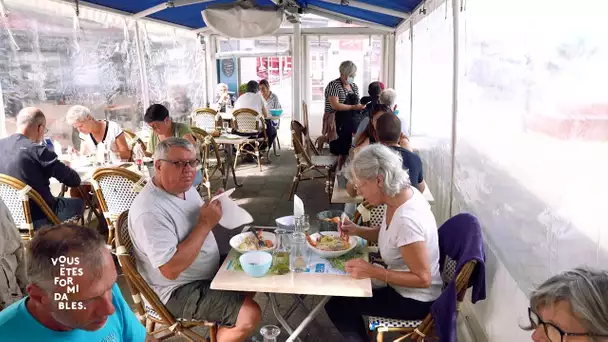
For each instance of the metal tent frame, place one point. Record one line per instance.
(376, 17)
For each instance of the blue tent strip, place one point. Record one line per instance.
(374, 17)
(190, 16)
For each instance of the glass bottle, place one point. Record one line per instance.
(298, 258)
(280, 262)
(270, 333)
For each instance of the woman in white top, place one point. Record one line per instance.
(94, 132)
(408, 243)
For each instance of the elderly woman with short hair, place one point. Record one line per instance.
(571, 306)
(94, 132)
(342, 100)
(408, 244)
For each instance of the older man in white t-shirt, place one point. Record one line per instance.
(176, 252)
(253, 100)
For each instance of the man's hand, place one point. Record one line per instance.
(151, 339)
(210, 214)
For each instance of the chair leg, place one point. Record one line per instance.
(213, 333)
(294, 184)
(150, 325)
(257, 155)
(236, 157)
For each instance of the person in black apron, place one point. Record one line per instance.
(345, 128)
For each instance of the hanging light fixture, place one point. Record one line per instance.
(243, 19)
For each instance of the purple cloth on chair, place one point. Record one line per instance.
(461, 239)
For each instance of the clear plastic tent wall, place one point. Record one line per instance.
(53, 60)
(531, 153)
(175, 69)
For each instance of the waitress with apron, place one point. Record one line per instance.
(342, 98)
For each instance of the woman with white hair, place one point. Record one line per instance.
(222, 98)
(94, 132)
(408, 244)
(571, 306)
(341, 110)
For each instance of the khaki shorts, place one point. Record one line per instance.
(198, 301)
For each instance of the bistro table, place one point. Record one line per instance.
(230, 140)
(316, 284)
(227, 117)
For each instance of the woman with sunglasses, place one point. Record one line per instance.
(571, 306)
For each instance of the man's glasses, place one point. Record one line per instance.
(554, 333)
(181, 164)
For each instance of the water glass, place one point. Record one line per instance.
(270, 333)
(302, 223)
(298, 258)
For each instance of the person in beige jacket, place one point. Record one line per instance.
(12, 261)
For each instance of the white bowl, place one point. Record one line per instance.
(354, 241)
(238, 239)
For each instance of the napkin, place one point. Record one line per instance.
(233, 216)
(298, 206)
(366, 214)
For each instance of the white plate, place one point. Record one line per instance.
(354, 241)
(233, 216)
(238, 239)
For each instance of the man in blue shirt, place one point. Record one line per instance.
(72, 295)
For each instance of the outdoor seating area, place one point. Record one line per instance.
(303, 170)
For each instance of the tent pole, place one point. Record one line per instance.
(142, 67)
(297, 71)
(391, 48)
(456, 29)
(411, 36)
(2, 115)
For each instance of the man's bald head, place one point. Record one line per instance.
(30, 116)
(31, 123)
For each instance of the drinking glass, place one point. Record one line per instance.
(270, 333)
(303, 223)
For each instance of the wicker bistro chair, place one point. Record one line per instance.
(248, 121)
(311, 149)
(421, 330)
(17, 195)
(323, 166)
(149, 309)
(205, 119)
(211, 157)
(115, 189)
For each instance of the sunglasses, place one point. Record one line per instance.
(553, 332)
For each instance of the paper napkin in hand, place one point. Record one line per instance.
(233, 216)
